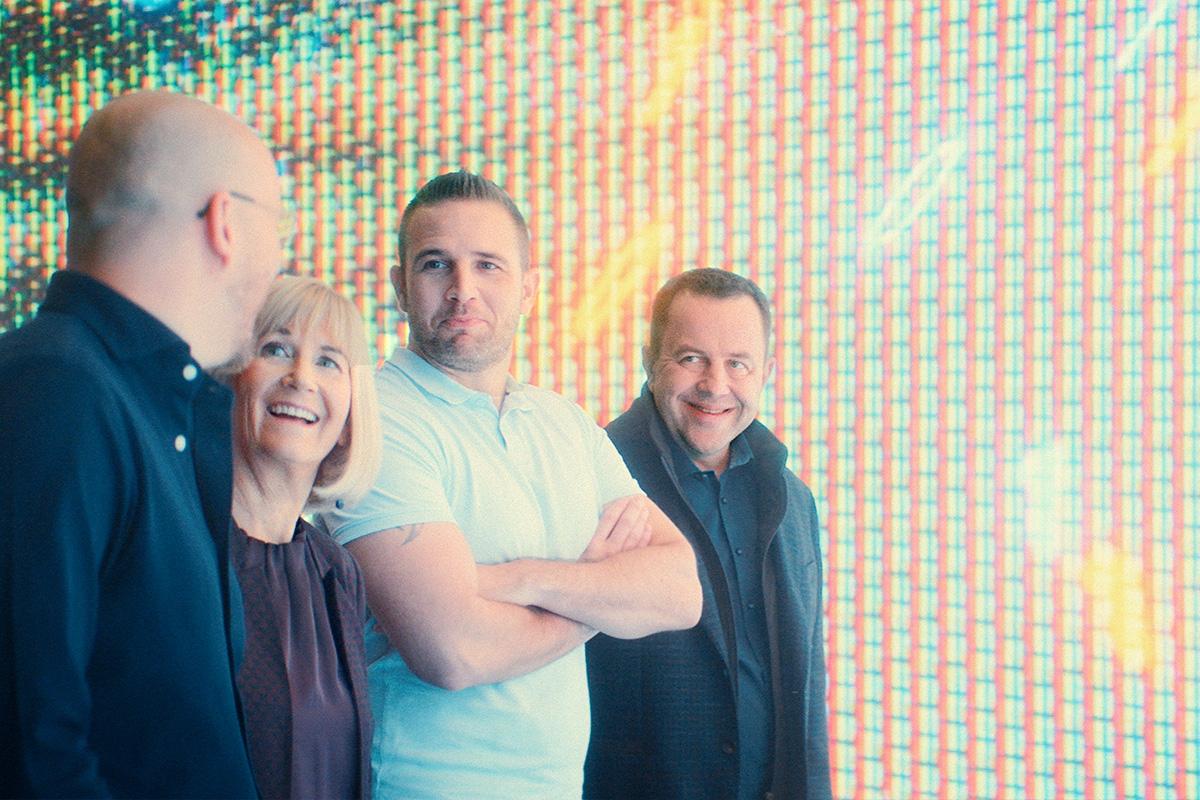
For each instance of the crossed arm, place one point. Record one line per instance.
(458, 624)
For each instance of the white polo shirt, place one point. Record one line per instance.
(526, 481)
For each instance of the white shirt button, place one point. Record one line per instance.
(180, 442)
(190, 372)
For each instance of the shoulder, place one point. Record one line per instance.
(65, 374)
(798, 493)
(629, 427)
(552, 409)
(53, 342)
(631, 433)
(332, 556)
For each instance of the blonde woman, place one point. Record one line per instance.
(306, 436)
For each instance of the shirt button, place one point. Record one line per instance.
(739, 551)
(724, 500)
(190, 372)
(180, 442)
(727, 748)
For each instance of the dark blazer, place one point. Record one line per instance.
(119, 619)
(664, 722)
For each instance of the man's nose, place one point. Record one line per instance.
(462, 285)
(714, 380)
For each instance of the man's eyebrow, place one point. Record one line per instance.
(490, 256)
(429, 251)
(483, 255)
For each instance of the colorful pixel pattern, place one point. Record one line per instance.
(978, 222)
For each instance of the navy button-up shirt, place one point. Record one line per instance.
(119, 624)
(727, 506)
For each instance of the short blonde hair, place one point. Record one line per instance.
(349, 470)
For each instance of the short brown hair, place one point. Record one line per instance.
(706, 282)
(463, 185)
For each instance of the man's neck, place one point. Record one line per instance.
(492, 380)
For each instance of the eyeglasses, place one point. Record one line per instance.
(285, 218)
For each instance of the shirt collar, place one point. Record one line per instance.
(127, 329)
(440, 385)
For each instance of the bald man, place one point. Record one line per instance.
(119, 624)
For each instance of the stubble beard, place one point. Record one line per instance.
(459, 352)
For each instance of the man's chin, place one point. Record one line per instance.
(460, 357)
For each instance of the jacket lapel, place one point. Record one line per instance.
(665, 489)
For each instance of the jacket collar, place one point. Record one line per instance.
(757, 443)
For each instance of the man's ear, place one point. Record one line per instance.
(529, 286)
(218, 230)
(397, 275)
(769, 369)
(646, 363)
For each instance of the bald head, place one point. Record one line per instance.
(142, 162)
(175, 204)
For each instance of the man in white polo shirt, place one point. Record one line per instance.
(503, 532)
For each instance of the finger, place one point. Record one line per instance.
(625, 530)
(645, 532)
(610, 515)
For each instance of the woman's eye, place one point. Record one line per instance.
(274, 350)
(327, 362)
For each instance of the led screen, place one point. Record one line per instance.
(978, 223)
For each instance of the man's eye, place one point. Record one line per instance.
(434, 264)
(488, 265)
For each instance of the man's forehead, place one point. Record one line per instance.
(697, 310)
(696, 320)
(446, 213)
(483, 227)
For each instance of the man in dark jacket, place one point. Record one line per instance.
(119, 623)
(734, 707)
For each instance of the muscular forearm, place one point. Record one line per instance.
(424, 589)
(491, 642)
(629, 594)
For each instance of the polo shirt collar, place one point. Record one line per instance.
(440, 385)
(127, 329)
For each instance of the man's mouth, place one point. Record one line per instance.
(708, 411)
(455, 323)
(289, 411)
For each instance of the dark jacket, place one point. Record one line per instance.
(119, 618)
(664, 721)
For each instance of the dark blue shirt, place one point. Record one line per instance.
(119, 622)
(727, 506)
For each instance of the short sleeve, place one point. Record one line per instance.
(612, 476)
(410, 488)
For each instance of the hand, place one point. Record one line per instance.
(624, 525)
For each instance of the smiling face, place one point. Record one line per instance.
(293, 398)
(464, 286)
(710, 372)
